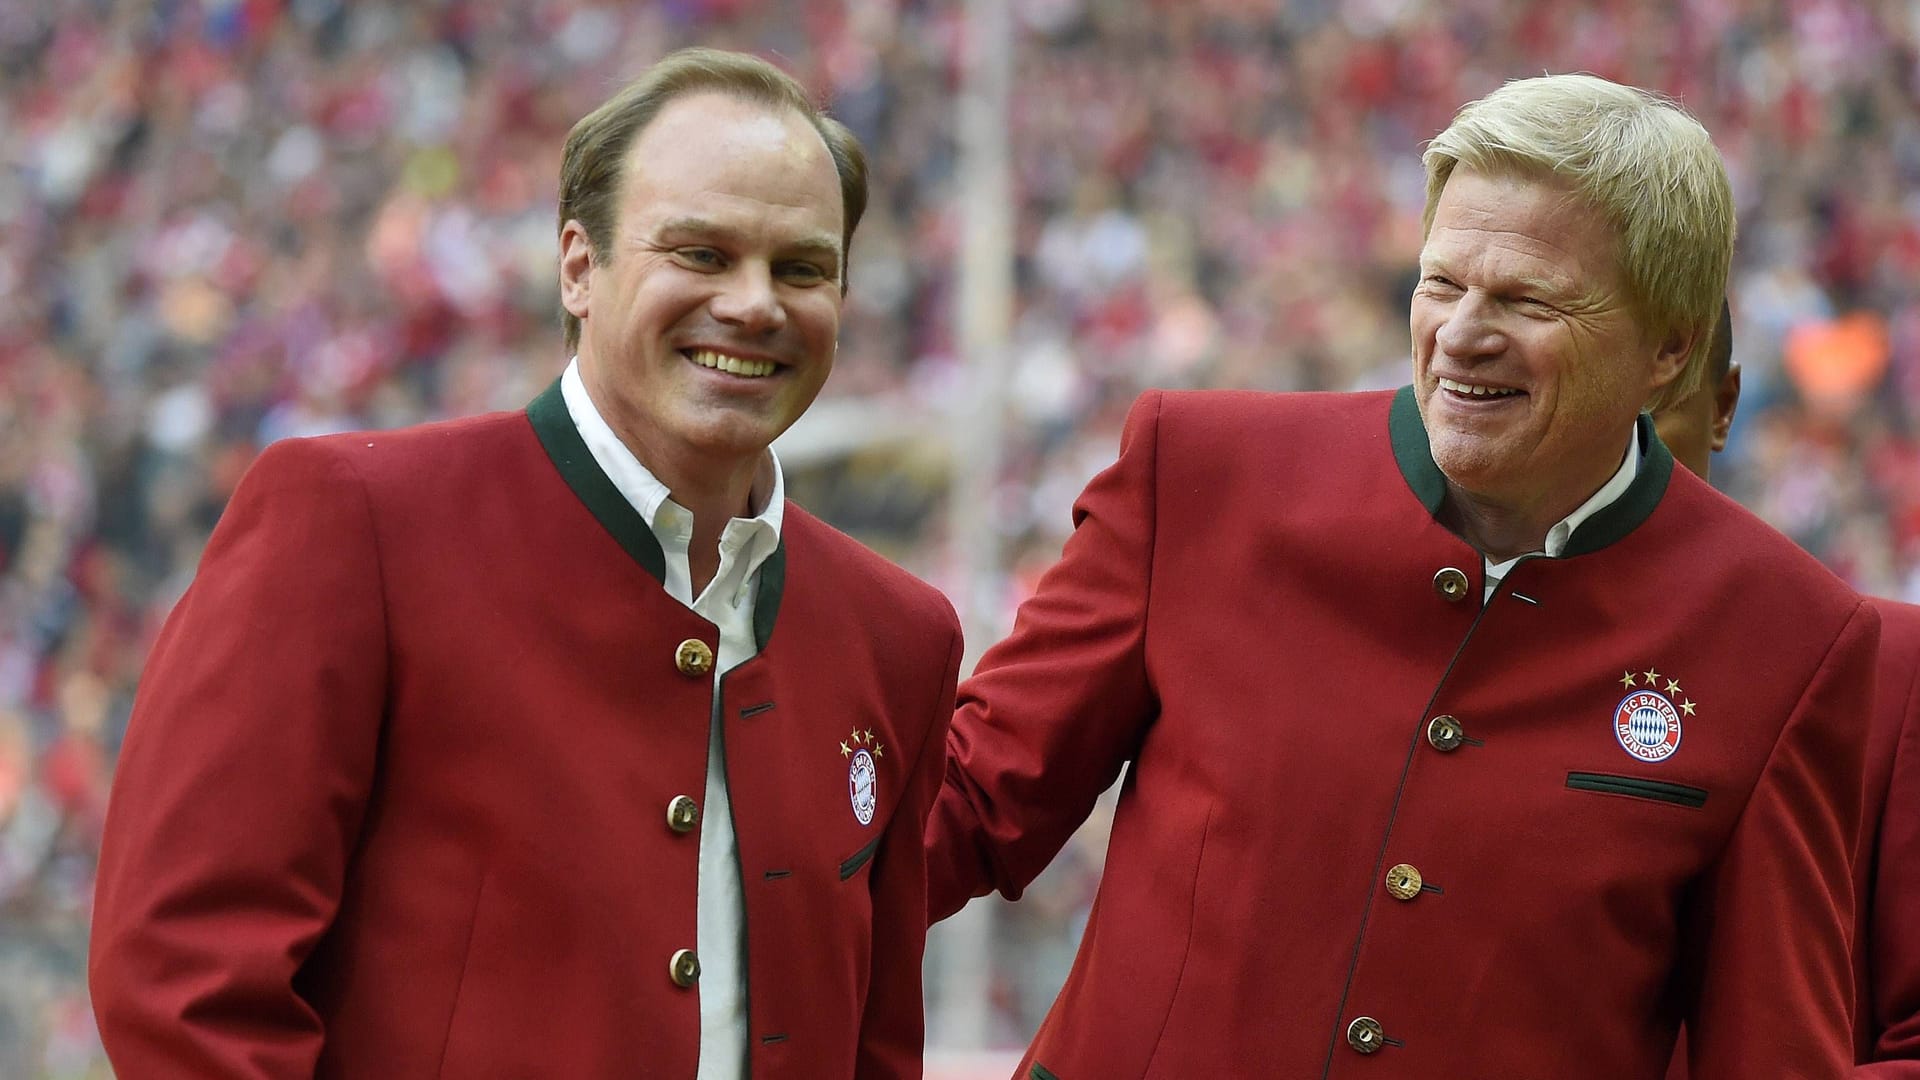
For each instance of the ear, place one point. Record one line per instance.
(1671, 358)
(576, 268)
(1726, 398)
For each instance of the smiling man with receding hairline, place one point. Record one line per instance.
(556, 742)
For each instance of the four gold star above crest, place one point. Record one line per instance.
(1630, 680)
(859, 737)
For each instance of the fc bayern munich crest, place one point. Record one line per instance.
(1647, 722)
(863, 774)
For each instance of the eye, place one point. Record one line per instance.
(699, 258)
(804, 273)
(1439, 281)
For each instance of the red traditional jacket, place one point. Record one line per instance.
(394, 801)
(1370, 827)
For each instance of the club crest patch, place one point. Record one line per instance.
(863, 773)
(1647, 723)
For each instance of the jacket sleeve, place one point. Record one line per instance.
(1773, 920)
(1053, 712)
(893, 1022)
(241, 784)
(1891, 947)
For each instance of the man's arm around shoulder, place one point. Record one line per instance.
(1053, 712)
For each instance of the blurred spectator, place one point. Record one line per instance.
(232, 221)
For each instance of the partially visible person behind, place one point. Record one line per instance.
(556, 743)
(1695, 426)
(1886, 936)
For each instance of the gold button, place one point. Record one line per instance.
(1445, 733)
(693, 657)
(1403, 881)
(1366, 1035)
(1451, 584)
(684, 968)
(682, 814)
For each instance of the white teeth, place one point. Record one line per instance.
(733, 365)
(1476, 391)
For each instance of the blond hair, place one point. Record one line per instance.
(1638, 158)
(592, 165)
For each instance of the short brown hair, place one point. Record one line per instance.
(592, 166)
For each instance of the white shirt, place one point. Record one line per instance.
(1558, 536)
(727, 602)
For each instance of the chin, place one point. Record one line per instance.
(1468, 462)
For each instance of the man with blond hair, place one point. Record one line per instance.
(555, 743)
(1464, 736)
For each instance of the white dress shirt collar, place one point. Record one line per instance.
(1557, 537)
(744, 544)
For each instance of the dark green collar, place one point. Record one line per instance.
(1607, 526)
(555, 428)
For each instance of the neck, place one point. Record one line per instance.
(714, 497)
(1506, 529)
(1496, 531)
(714, 487)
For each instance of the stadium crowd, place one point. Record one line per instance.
(233, 221)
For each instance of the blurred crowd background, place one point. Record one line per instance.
(225, 222)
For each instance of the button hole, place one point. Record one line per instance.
(1435, 889)
(776, 875)
(769, 1040)
(1390, 1041)
(756, 710)
(1473, 742)
(1528, 599)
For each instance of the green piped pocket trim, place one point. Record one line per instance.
(859, 859)
(1692, 798)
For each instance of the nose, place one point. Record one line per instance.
(749, 299)
(1470, 329)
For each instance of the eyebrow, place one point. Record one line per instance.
(819, 245)
(1531, 283)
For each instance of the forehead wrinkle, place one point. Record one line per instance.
(1497, 259)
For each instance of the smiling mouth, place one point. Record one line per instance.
(1471, 390)
(732, 365)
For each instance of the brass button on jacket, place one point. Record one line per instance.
(1451, 584)
(1404, 881)
(1366, 1035)
(682, 814)
(684, 968)
(1445, 733)
(693, 657)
